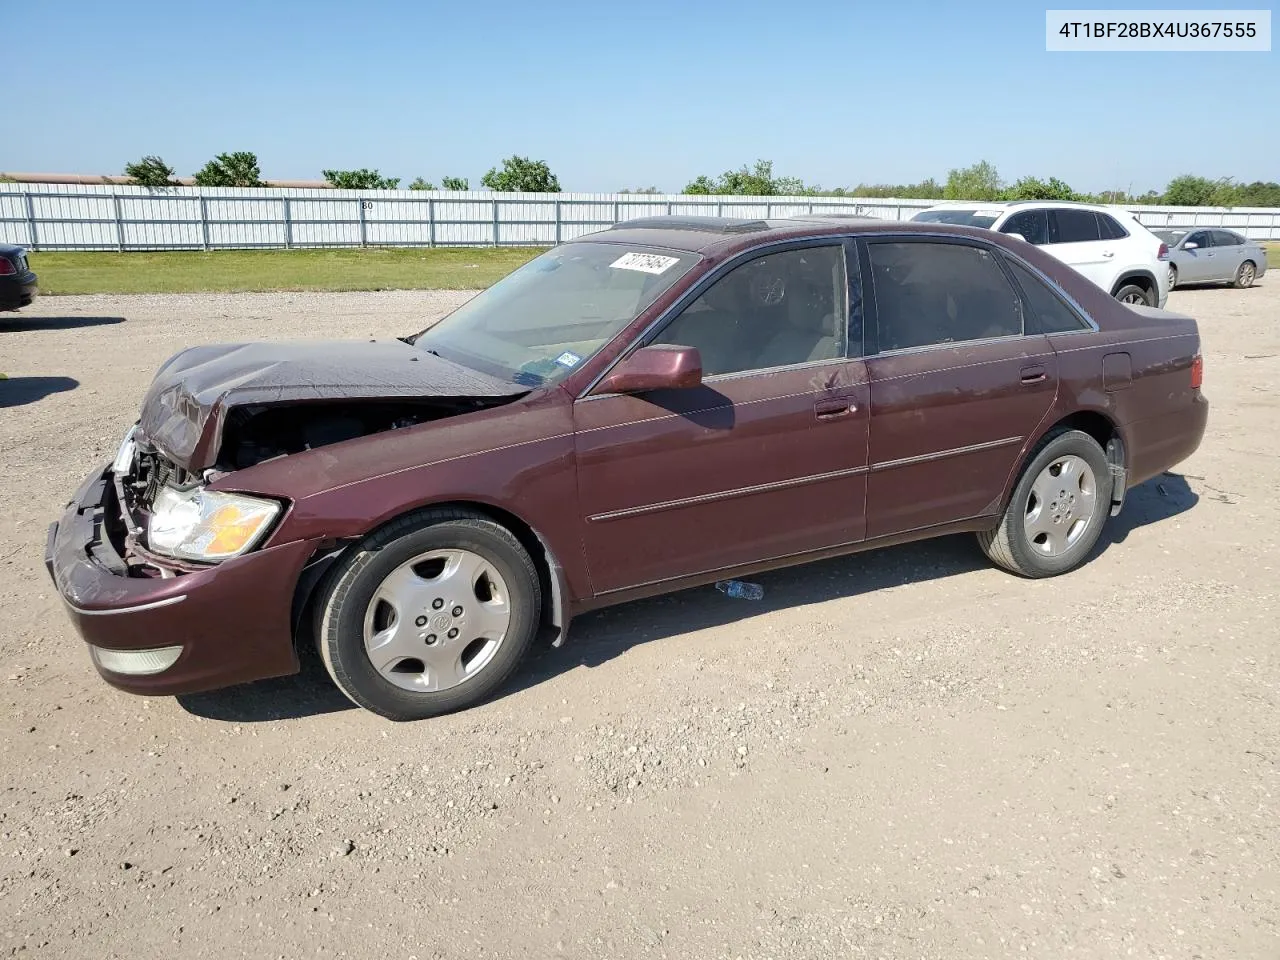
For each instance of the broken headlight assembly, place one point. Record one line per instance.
(204, 525)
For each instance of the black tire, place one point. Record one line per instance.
(1173, 276)
(1245, 275)
(350, 588)
(1131, 290)
(1008, 545)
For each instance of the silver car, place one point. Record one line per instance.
(1200, 255)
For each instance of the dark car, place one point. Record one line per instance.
(17, 282)
(663, 404)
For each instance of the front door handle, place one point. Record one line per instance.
(1108, 254)
(1034, 373)
(834, 409)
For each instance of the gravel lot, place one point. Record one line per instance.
(902, 754)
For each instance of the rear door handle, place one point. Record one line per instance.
(834, 409)
(1034, 373)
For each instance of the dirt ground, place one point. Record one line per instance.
(901, 754)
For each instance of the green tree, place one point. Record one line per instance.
(522, 175)
(1258, 194)
(361, 179)
(640, 190)
(978, 182)
(420, 184)
(701, 186)
(924, 190)
(1189, 190)
(231, 170)
(1033, 188)
(150, 172)
(456, 183)
(757, 181)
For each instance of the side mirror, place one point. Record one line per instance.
(1016, 236)
(655, 368)
(1191, 246)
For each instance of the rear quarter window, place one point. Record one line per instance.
(1110, 227)
(1049, 309)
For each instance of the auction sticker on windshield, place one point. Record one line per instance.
(645, 262)
(568, 359)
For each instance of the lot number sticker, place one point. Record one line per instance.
(644, 262)
(568, 359)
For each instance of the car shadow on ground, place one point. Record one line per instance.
(1191, 286)
(15, 391)
(598, 637)
(22, 322)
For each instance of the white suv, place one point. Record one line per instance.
(1106, 244)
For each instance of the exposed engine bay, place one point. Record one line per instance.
(259, 432)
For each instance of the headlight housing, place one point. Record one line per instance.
(199, 524)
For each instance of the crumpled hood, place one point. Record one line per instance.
(186, 405)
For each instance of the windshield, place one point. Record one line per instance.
(1170, 236)
(966, 218)
(536, 324)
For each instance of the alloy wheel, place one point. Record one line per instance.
(1060, 506)
(437, 620)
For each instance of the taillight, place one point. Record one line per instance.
(7, 269)
(1197, 372)
(1164, 252)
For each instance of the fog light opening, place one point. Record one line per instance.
(135, 663)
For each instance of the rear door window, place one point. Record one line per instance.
(935, 293)
(1225, 238)
(1073, 226)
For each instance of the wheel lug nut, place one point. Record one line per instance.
(437, 603)
(453, 633)
(431, 638)
(421, 621)
(457, 611)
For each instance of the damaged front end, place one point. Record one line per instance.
(215, 410)
(178, 583)
(231, 405)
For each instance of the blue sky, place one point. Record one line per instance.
(617, 95)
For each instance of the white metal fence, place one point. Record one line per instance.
(93, 217)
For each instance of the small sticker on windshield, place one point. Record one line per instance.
(645, 262)
(568, 359)
(987, 213)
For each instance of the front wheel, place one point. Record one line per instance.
(1245, 275)
(1057, 510)
(1135, 295)
(429, 615)
(1173, 276)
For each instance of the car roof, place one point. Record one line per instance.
(1026, 204)
(714, 236)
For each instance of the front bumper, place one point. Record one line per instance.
(232, 620)
(17, 291)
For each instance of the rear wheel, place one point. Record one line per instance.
(1057, 510)
(1135, 295)
(1245, 275)
(429, 615)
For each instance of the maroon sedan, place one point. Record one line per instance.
(663, 404)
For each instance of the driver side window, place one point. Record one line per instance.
(777, 310)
